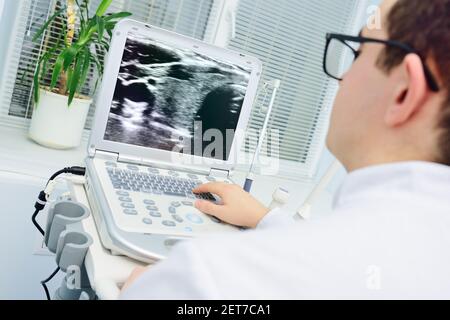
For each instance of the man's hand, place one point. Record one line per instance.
(238, 207)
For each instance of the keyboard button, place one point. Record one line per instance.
(175, 204)
(177, 218)
(153, 170)
(146, 190)
(211, 179)
(168, 223)
(127, 205)
(125, 199)
(133, 167)
(152, 208)
(205, 196)
(192, 176)
(172, 210)
(188, 229)
(175, 194)
(149, 202)
(173, 173)
(122, 193)
(187, 203)
(157, 192)
(155, 214)
(194, 218)
(147, 221)
(216, 220)
(130, 212)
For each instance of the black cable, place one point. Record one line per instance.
(43, 282)
(79, 171)
(42, 198)
(33, 218)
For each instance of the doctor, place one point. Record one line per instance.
(389, 234)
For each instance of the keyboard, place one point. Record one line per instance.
(131, 179)
(151, 200)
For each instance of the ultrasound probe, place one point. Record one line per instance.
(250, 176)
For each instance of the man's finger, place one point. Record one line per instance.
(208, 207)
(212, 187)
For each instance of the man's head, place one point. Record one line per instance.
(385, 111)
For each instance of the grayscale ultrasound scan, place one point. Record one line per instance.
(165, 94)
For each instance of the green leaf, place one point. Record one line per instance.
(103, 7)
(69, 77)
(86, 6)
(57, 69)
(101, 27)
(69, 55)
(95, 86)
(44, 64)
(45, 26)
(82, 17)
(104, 45)
(118, 15)
(86, 66)
(92, 27)
(62, 63)
(75, 78)
(49, 55)
(110, 25)
(36, 83)
(98, 64)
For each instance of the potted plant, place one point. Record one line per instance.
(60, 108)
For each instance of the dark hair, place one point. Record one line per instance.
(425, 26)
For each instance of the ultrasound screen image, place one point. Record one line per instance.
(163, 93)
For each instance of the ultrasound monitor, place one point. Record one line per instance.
(169, 98)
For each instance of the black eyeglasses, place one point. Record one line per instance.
(340, 46)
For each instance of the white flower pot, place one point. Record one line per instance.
(56, 125)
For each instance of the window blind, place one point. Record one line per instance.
(289, 37)
(188, 17)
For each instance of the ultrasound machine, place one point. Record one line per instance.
(164, 100)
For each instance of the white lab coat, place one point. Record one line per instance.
(388, 238)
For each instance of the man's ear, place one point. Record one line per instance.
(410, 94)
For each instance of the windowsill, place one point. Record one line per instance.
(21, 155)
